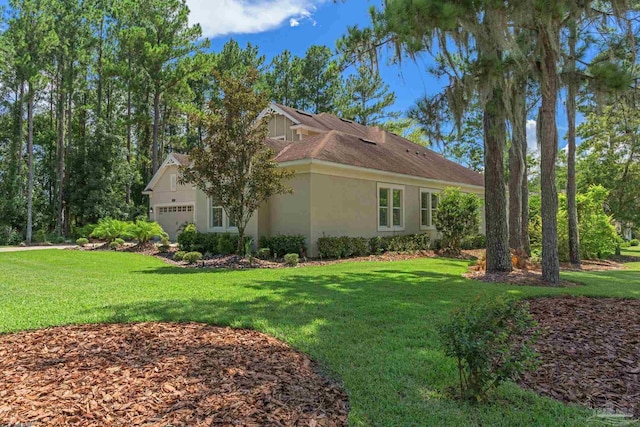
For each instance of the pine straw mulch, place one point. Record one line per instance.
(160, 374)
(532, 276)
(590, 352)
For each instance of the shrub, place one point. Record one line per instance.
(164, 245)
(114, 245)
(143, 231)
(634, 242)
(227, 244)
(264, 253)
(84, 231)
(479, 241)
(14, 238)
(205, 242)
(291, 259)
(179, 255)
(375, 245)
(187, 237)
(82, 241)
(329, 247)
(192, 257)
(284, 244)
(119, 241)
(406, 243)
(110, 229)
(625, 244)
(490, 344)
(457, 215)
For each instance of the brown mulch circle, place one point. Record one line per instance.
(589, 352)
(517, 277)
(160, 374)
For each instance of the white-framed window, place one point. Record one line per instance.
(173, 179)
(218, 219)
(390, 207)
(428, 206)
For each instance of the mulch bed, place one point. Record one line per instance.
(590, 352)
(160, 374)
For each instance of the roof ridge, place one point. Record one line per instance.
(322, 143)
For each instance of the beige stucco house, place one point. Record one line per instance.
(349, 180)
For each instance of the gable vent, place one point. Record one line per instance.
(304, 113)
(368, 141)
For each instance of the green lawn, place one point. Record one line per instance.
(370, 325)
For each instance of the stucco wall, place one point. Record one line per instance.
(162, 196)
(291, 213)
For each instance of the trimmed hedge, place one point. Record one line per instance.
(634, 242)
(283, 244)
(191, 240)
(291, 259)
(479, 241)
(345, 247)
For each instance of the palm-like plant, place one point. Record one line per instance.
(143, 231)
(110, 229)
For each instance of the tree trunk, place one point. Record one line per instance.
(60, 108)
(128, 188)
(548, 156)
(572, 208)
(156, 128)
(30, 178)
(517, 160)
(20, 132)
(498, 254)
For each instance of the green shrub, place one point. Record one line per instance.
(490, 344)
(115, 245)
(179, 255)
(164, 245)
(344, 247)
(330, 247)
(406, 242)
(284, 244)
(119, 241)
(479, 241)
(205, 242)
(291, 259)
(40, 236)
(227, 244)
(82, 241)
(192, 257)
(110, 229)
(187, 237)
(14, 238)
(143, 231)
(625, 244)
(634, 242)
(375, 245)
(84, 231)
(457, 215)
(264, 253)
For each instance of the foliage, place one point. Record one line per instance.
(143, 231)
(478, 241)
(119, 241)
(489, 342)
(115, 245)
(187, 237)
(84, 231)
(457, 215)
(179, 255)
(281, 244)
(234, 166)
(264, 253)
(110, 229)
(227, 244)
(164, 245)
(82, 241)
(409, 129)
(345, 246)
(634, 242)
(291, 259)
(192, 257)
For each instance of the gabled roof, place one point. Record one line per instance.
(173, 159)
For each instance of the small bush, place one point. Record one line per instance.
(634, 242)
(375, 245)
(479, 241)
(291, 259)
(489, 342)
(115, 245)
(179, 255)
(284, 244)
(406, 243)
(119, 241)
(227, 244)
(84, 231)
(82, 242)
(110, 229)
(264, 253)
(625, 244)
(192, 257)
(143, 231)
(15, 238)
(330, 247)
(186, 238)
(457, 215)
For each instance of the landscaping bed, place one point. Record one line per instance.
(161, 374)
(589, 351)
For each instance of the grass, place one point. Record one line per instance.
(370, 324)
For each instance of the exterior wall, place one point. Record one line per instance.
(280, 126)
(291, 213)
(162, 196)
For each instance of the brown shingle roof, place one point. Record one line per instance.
(353, 144)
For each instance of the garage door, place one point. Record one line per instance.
(171, 218)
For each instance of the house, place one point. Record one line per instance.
(349, 179)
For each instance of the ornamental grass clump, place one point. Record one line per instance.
(491, 342)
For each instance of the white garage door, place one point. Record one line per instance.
(171, 218)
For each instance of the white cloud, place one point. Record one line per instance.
(532, 137)
(223, 17)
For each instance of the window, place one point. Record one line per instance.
(428, 206)
(174, 181)
(219, 220)
(175, 209)
(390, 207)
